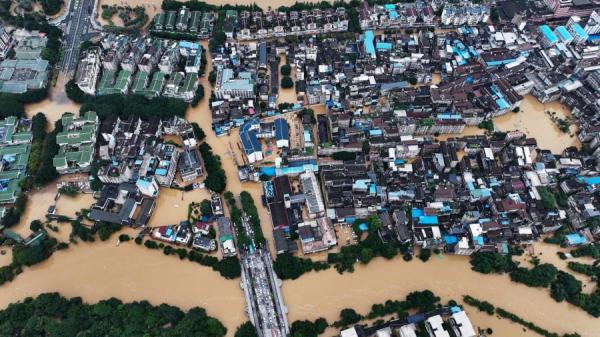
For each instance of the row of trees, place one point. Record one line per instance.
(250, 208)
(490, 309)
(290, 267)
(420, 301)
(53, 315)
(40, 165)
(216, 180)
(126, 105)
(236, 218)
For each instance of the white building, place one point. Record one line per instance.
(88, 71)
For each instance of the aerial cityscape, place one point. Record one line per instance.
(352, 168)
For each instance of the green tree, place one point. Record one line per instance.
(286, 70)
(287, 82)
(206, 207)
(247, 329)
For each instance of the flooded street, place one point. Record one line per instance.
(223, 147)
(130, 272)
(287, 95)
(325, 293)
(55, 105)
(537, 124)
(172, 205)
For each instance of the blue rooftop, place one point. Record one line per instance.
(502, 103)
(548, 34)
(416, 212)
(564, 34)
(592, 180)
(249, 139)
(384, 46)
(369, 46)
(428, 220)
(579, 31)
(282, 130)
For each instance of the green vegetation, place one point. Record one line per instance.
(424, 254)
(124, 13)
(206, 208)
(488, 262)
(308, 328)
(228, 267)
(198, 96)
(548, 199)
(236, 218)
(13, 215)
(538, 276)
(246, 330)
(487, 125)
(419, 301)
(481, 305)
(563, 124)
(28, 255)
(51, 7)
(216, 180)
(251, 211)
(290, 267)
(365, 249)
(590, 250)
(564, 287)
(348, 317)
(286, 70)
(69, 190)
(198, 132)
(134, 105)
(287, 82)
(53, 315)
(88, 234)
(344, 155)
(490, 309)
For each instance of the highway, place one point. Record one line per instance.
(77, 28)
(264, 301)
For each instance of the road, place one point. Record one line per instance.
(77, 28)
(262, 289)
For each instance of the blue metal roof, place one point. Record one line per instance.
(249, 139)
(579, 31)
(369, 46)
(282, 130)
(548, 34)
(564, 34)
(428, 220)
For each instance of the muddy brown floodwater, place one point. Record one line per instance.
(131, 273)
(325, 293)
(55, 105)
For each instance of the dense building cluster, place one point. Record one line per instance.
(387, 96)
(150, 67)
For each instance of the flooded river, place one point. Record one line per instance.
(55, 105)
(325, 293)
(130, 272)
